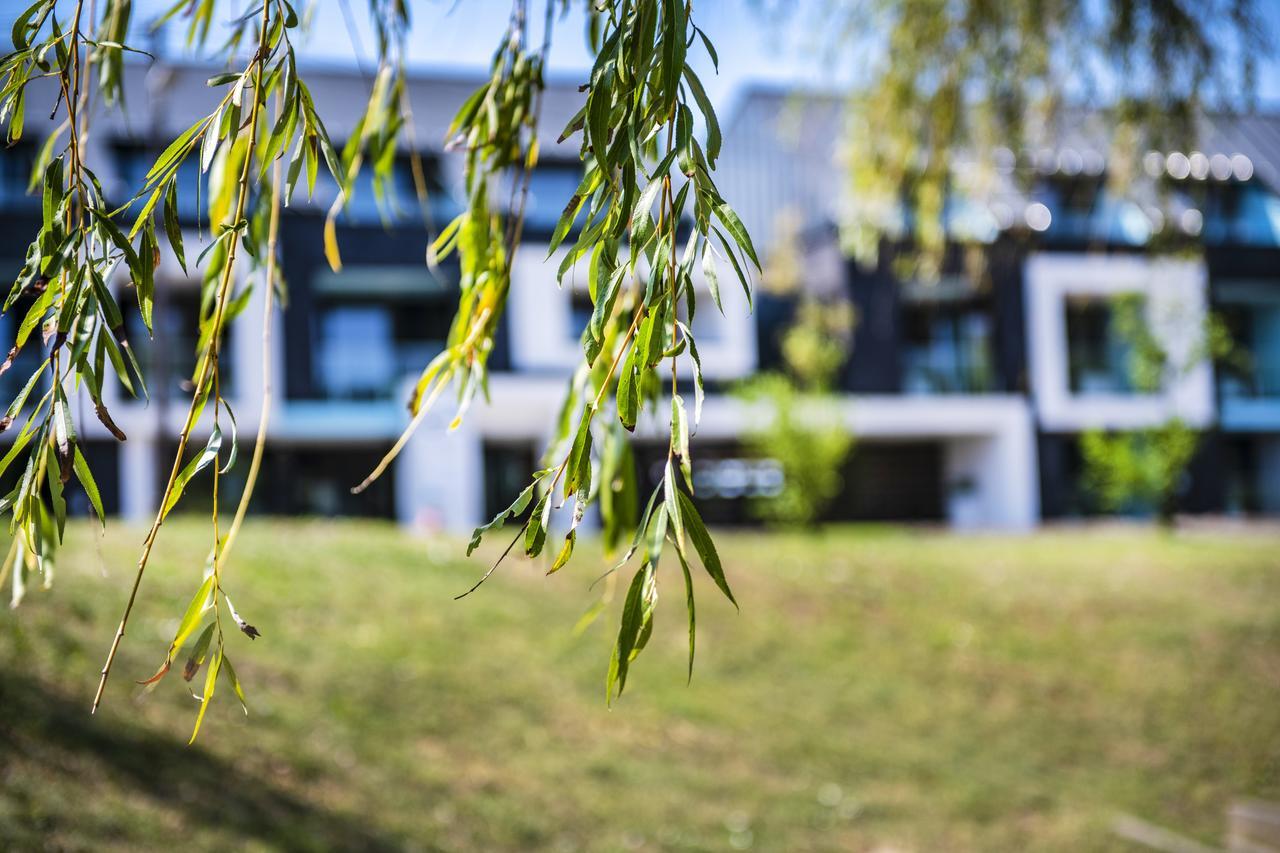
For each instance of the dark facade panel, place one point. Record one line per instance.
(303, 260)
(874, 366)
(1064, 494)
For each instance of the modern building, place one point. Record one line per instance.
(967, 395)
(1000, 366)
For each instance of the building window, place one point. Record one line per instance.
(508, 470)
(551, 185)
(580, 311)
(1244, 213)
(167, 352)
(946, 350)
(16, 163)
(399, 202)
(1254, 369)
(133, 161)
(28, 360)
(375, 326)
(1098, 357)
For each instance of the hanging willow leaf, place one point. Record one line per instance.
(704, 546)
(646, 191)
(635, 614)
(195, 466)
(196, 659)
(199, 603)
(210, 682)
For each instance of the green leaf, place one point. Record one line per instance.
(708, 114)
(535, 535)
(711, 51)
(171, 223)
(599, 109)
(671, 497)
(699, 391)
(737, 230)
(196, 659)
(628, 631)
(210, 682)
(85, 476)
(235, 683)
(566, 551)
(145, 282)
(223, 79)
(628, 393)
(680, 438)
(712, 277)
(693, 619)
(581, 447)
(704, 546)
(619, 496)
(737, 268)
(23, 28)
(566, 222)
(517, 507)
(171, 156)
(195, 466)
(199, 603)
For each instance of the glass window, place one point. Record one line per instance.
(1248, 214)
(367, 347)
(947, 350)
(1254, 369)
(1098, 358)
(168, 353)
(400, 199)
(27, 361)
(15, 174)
(508, 469)
(550, 187)
(134, 161)
(580, 311)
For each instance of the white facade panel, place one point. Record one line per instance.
(1176, 305)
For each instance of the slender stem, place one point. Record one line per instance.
(260, 441)
(210, 357)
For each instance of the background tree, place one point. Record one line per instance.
(804, 431)
(1145, 469)
(938, 86)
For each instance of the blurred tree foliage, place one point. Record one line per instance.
(804, 433)
(935, 81)
(1144, 470)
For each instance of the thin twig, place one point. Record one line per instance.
(498, 561)
(259, 444)
(259, 58)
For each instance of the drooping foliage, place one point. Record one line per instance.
(1144, 469)
(645, 217)
(938, 86)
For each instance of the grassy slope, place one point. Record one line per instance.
(879, 688)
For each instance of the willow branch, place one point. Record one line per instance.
(210, 356)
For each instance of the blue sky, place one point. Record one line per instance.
(753, 46)
(462, 34)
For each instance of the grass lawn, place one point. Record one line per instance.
(881, 689)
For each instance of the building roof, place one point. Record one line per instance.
(783, 151)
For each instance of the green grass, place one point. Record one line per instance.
(880, 689)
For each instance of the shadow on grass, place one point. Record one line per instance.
(51, 731)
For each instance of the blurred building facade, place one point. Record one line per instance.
(967, 394)
(1030, 332)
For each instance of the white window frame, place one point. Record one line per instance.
(1170, 288)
